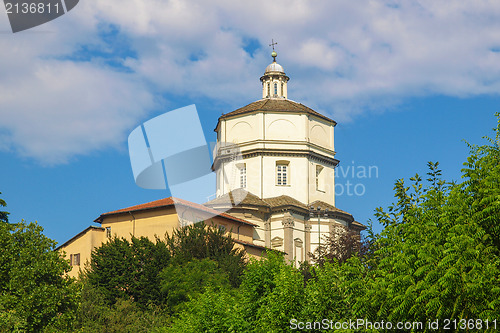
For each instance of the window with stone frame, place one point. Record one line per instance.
(319, 178)
(74, 259)
(282, 173)
(243, 175)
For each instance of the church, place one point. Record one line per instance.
(281, 195)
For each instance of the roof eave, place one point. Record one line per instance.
(226, 216)
(78, 235)
(260, 110)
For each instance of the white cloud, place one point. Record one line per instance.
(64, 109)
(343, 57)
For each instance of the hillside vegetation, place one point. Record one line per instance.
(435, 262)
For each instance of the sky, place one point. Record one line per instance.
(407, 82)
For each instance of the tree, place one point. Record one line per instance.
(270, 291)
(283, 302)
(123, 269)
(95, 315)
(34, 290)
(200, 241)
(438, 256)
(482, 185)
(340, 245)
(4, 216)
(180, 282)
(216, 310)
(332, 291)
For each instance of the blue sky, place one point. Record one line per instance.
(406, 82)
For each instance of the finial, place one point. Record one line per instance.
(273, 54)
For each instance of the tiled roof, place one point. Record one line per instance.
(170, 201)
(284, 200)
(250, 244)
(242, 196)
(148, 205)
(324, 205)
(276, 105)
(359, 225)
(280, 201)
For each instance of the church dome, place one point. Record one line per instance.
(274, 67)
(275, 106)
(274, 80)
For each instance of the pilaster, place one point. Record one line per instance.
(288, 224)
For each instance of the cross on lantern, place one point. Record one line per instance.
(273, 43)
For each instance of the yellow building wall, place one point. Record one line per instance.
(254, 252)
(83, 246)
(151, 224)
(243, 233)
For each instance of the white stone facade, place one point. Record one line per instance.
(302, 142)
(286, 165)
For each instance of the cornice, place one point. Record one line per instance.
(278, 152)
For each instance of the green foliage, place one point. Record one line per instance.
(216, 310)
(333, 291)
(222, 309)
(199, 241)
(482, 185)
(283, 302)
(183, 281)
(199, 282)
(438, 256)
(123, 269)
(33, 288)
(139, 275)
(271, 294)
(340, 245)
(95, 315)
(4, 216)
(258, 282)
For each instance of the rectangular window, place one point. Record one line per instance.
(74, 259)
(282, 174)
(108, 232)
(275, 88)
(319, 180)
(243, 176)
